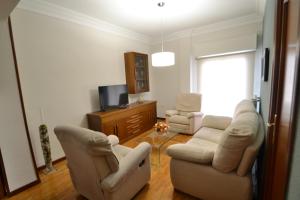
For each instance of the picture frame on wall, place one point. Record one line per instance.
(265, 65)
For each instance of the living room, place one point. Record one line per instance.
(64, 50)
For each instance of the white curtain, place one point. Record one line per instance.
(224, 81)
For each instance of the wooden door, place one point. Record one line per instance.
(283, 100)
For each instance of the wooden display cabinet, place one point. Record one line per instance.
(137, 75)
(125, 123)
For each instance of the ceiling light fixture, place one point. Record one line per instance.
(163, 58)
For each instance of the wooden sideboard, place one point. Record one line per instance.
(125, 123)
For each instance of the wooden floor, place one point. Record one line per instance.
(58, 185)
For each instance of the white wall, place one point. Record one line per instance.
(61, 66)
(267, 42)
(13, 140)
(293, 192)
(6, 6)
(179, 78)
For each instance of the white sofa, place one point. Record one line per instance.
(216, 163)
(187, 116)
(100, 168)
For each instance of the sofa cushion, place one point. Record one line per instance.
(217, 122)
(242, 107)
(210, 146)
(210, 134)
(191, 153)
(178, 119)
(234, 141)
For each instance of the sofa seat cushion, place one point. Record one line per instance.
(210, 134)
(210, 146)
(179, 119)
(235, 139)
(217, 122)
(191, 153)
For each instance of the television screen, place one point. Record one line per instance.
(113, 96)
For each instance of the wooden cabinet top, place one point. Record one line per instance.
(120, 111)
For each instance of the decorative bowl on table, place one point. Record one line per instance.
(161, 127)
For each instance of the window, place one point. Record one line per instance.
(223, 81)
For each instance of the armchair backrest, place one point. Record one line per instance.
(89, 156)
(188, 102)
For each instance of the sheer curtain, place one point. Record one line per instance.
(224, 81)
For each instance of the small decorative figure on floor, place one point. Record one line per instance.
(45, 142)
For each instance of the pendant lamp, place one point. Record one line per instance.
(163, 58)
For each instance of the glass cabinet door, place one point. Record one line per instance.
(141, 73)
(136, 68)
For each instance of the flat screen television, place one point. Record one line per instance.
(113, 96)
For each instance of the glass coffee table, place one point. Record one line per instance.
(157, 141)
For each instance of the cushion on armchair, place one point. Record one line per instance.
(190, 114)
(178, 119)
(171, 112)
(234, 141)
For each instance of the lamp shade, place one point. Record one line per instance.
(163, 59)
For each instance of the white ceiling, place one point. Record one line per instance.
(144, 16)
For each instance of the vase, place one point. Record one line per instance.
(45, 143)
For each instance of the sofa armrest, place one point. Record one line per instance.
(217, 122)
(194, 114)
(113, 140)
(170, 113)
(132, 161)
(190, 153)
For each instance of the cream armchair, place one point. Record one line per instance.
(187, 116)
(100, 168)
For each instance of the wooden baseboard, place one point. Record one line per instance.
(53, 162)
(25, 187)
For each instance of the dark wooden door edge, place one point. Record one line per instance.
(275, 107)
(22, 102)
(269, 150)
(3, 177)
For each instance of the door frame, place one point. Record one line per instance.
(278, 67)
